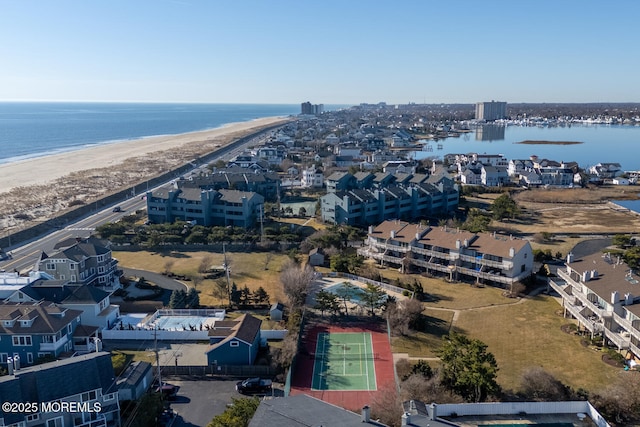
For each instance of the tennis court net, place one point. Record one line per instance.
(345, 356)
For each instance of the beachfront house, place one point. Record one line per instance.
(82, 262)
(234, 342)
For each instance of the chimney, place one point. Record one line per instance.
(393, 234)
(569, 258)
(370, 229)
(366, 414)
(615, 296)
(512, 252)
(406, 419)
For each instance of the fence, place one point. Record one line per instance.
(63, 219)
(241, 371)
(384, 286)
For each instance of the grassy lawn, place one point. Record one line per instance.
(423, 344)
(528, 334)
(250, 269)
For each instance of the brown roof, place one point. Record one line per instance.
(446, 237)
(245, 329)
(404, 231)
(46, 318)
(497, 244)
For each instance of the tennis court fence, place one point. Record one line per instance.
(345, 356)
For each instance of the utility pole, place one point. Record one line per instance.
(226, 271)
(155, 349)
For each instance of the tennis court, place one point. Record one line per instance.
(344, 361)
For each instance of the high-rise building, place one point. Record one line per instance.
(489, 111)
(309, 108)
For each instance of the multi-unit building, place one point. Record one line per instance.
(458, 254)
(309, 108)
(82, 262)
(312, 178)
(603, 294)
(80, 391)
(408, 200)
(266, 184)
(205, 207)
(33, 330)
(490, 111)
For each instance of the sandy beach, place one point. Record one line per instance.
(36, 189)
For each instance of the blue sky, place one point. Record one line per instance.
(330, 51)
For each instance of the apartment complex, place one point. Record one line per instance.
(489, 111)
(204, 207)
(603, 294)
(457, 254)
(364, 200)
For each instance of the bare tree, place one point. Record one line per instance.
(205, 264)
(168, 265)
(296, 280)
(538, 384)
(196, 279)
(268, 257)
(220, 289)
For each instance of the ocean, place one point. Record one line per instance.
(34, 129)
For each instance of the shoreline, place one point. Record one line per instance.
(50, 167)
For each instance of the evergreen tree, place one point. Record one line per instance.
(193, 298)
(260, 296)
(234, 295)
(467, 368)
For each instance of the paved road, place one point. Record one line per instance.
(160, 280)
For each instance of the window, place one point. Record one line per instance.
(109, 396)
(29, 358)
(51, 266)
(23, 340)
(32, 417)
(3, 357)
(91, 395)
(69, 330)
(55, 422)
(523, 268)
(72, 266)
(234, 344)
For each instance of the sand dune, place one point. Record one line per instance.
(36, 189)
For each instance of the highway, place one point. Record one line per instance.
(24, 257)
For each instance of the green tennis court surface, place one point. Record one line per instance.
(344, 361)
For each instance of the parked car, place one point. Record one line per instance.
(254, 386)
(117, 209)
(168, 391)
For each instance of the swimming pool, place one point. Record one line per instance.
(356, 293)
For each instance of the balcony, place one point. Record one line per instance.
(54, 346)
(627, 326)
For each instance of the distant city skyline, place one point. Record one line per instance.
(330, 52)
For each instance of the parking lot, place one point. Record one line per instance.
(201, 399)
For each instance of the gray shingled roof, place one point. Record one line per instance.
(303, 411)
(59, 379)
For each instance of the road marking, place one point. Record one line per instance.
(80, 228)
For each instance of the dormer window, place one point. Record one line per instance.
(26, 323)
(8, 323)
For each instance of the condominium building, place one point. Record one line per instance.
(458, 254)
(204, 207)
(489, 111)
(603, 294)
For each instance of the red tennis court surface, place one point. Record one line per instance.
(352, 400)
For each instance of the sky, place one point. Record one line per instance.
(329, 51)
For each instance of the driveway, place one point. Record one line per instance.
(201, 399)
